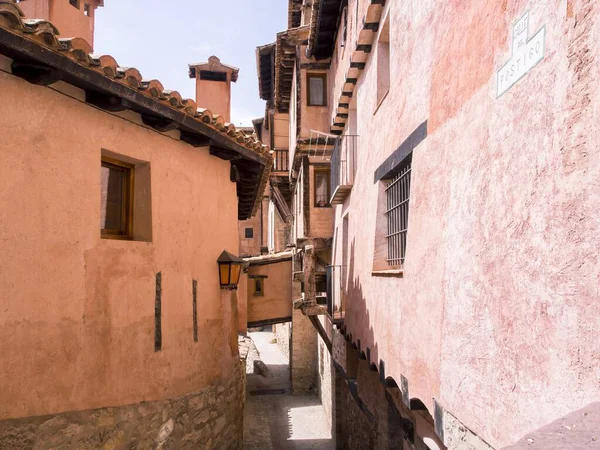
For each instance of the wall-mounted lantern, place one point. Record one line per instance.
(230, 268)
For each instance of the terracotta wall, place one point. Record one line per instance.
(496, 315)
(258, 223)
(214, 96)
(281, 131)
(70, 21)
(277, 299)
(78, 311)
(311, 117)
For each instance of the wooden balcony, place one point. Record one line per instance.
(281, 161)
(343, 168)
(336, 307)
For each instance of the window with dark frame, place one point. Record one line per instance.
(317, 89)
(74, 3)
(249, 233)
(397, 192)
(116, 199)
(87, 9)
(322, 188)
(259, 286)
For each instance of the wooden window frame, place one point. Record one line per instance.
(246, 233)
(316, 75)
(327, 172)
(126, 231)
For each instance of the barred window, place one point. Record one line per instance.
(398, 197)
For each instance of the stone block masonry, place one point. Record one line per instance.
(303, 354)
(208, 419)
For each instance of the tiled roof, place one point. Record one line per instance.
(265, 56)
(324, 21)
(155, 97)
(285, 58)
(294, 13)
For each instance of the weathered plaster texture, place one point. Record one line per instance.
(208, 419)
(283, 333)
(77, 310)
(325, 382)
(496, 316)
(276, 301)
(303, 361)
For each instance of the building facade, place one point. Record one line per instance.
(457, 236)
(118, 196)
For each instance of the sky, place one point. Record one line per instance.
(161, 37)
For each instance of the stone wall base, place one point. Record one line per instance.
(207, 419)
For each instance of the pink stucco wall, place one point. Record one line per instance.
(497, 313)
(77, 318)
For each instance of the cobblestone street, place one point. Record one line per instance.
(273, 417)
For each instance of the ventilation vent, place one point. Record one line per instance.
(213, 76)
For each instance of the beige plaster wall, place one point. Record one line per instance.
(78, 311)
(277, 299)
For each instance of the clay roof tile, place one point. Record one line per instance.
(46, 34)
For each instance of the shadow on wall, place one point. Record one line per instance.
(376, 399)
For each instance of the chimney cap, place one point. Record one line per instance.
(214, 64)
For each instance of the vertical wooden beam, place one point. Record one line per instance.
(194, 308)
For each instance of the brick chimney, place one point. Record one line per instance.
(73, 18)
(213, 86)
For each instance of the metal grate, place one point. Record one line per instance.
(398, 196)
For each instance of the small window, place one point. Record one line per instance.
(259, 286)
(383, 62)
(116, 199)
(249, 233)
(322, 188)
(74, 3)
(317, 89)
(397, 193)
(87, 9)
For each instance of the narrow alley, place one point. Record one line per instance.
(274, 418)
